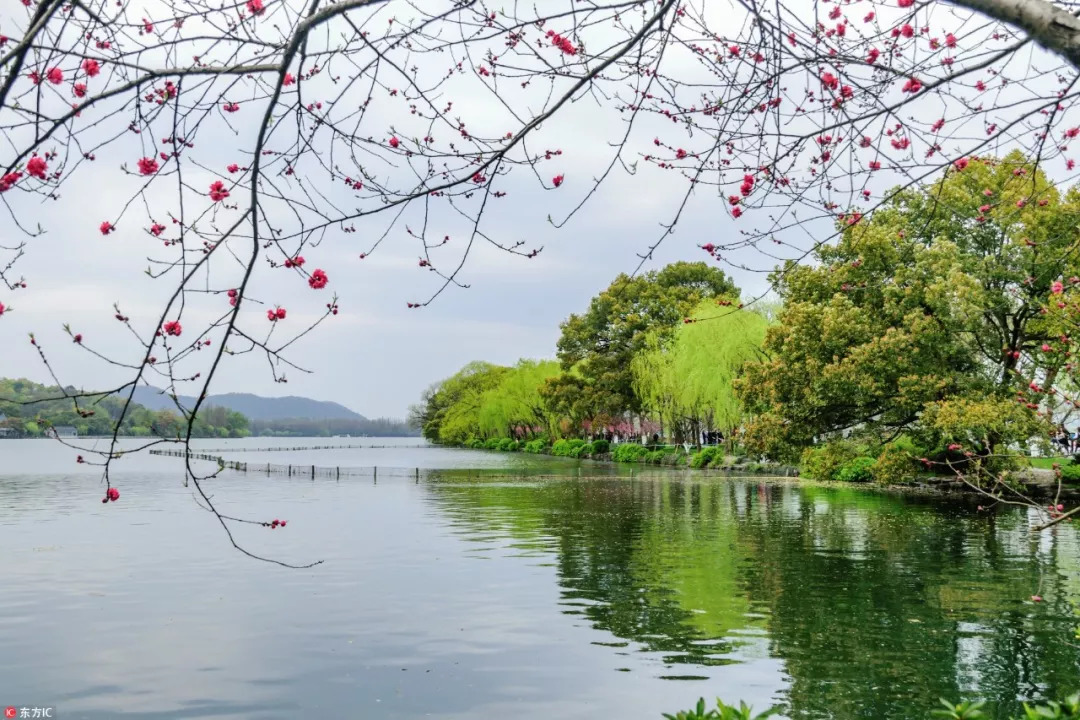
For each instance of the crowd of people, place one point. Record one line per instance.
(1069, 442)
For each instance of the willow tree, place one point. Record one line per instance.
(688, 381)
(515, 407)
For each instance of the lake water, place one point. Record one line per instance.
(518, 590)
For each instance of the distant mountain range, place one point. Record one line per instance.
(255, 407)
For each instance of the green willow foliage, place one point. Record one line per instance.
(486, 401)
(687, 382)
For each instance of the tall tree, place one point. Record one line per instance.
(688, 382)
(927, 318)
(601, 342)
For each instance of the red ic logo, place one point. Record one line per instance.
(10, 712)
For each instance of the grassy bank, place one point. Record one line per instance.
(664, 455)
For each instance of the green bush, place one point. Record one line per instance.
(897, 463)
(600, 446)
(475, 443)
(492, 443)
(1052, 710)
(856, 470)
(535, 446)
(824, 461)
(655, 457)
(581, 451)
(628, 452)
(564, 448)
(1070, 473)
(722, 712)
(706, 456)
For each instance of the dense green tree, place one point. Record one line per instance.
(31, 408)
(926, 319)
(514, 407)
(449, 411)
(601, 342)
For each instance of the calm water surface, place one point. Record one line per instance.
(505, 586)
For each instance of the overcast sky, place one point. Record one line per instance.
(376, 356)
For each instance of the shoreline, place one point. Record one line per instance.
(1036, 483)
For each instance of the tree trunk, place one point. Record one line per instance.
(1049, 25)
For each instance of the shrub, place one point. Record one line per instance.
(1070, 473)
(492, 443)
(564, 448)
(897, 463)
(856, 470)
(581, 451)
(823, 462)
(475, 443)
(535, 446)
(600, 446)
(628, 452)
(703, 457)
(505, 443)
(655, 457)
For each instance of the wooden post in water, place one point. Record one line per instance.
(312, 472)
(417, 475)
(339, 473)
(290, 471)
(376, 474)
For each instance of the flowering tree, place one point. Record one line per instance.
(241, 137)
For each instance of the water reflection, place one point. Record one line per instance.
(877, 605)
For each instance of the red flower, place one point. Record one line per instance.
(288, 79)
(276, 314)
(55, 75)
(156, 229)
(113, 494)
(830, 81)
(78, 338)
(233, 168)
(912, 86)
(7, 181)
(91, 67)
(230, 107)
(106, 227)
(37, 167)
(394, 142)
(255, 7)
(318, 280)
(557, 180)
(905, 3)
(172, 328)
(2, 309)
(147, 166)
(950, 40)
(562, 43)
(297, 261)
(217, 191)
(873, 55)
(961, 163)
(79, 89)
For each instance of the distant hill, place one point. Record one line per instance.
(285, 416)
(255, 407)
